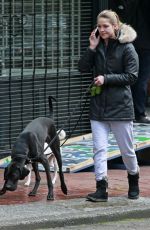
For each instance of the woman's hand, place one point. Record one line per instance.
(99, 80)
(93, 40)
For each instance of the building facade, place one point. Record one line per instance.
(41, 42)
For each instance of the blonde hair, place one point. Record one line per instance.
(111, 15)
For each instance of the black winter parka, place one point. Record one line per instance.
(119, 66)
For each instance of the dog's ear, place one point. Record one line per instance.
(24, 173)
(6, 173)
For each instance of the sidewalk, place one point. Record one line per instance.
(18, 211)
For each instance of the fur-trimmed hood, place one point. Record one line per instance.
(126, 34)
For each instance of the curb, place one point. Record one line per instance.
(80, 220)
(77, 212)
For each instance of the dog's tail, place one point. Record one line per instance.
(61, 134)
(50, 103)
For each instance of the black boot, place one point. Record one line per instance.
(101, 193)
(133, 181)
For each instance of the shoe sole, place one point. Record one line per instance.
(96, 200)
(133, 198)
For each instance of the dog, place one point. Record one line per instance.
(29, 146)
(51, 159)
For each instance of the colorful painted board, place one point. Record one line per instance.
(77, 155)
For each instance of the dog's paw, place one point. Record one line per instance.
(54, 180)
(32, 193)
(50, 197)
(27, 184)
(2, 191)
(64, 189)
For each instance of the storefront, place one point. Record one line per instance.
(41, 43)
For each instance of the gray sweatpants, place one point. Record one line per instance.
(123, 132)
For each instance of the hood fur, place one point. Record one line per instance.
(126, 34)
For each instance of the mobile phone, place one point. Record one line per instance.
(96, 33)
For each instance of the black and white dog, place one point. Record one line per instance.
(29, 146)
(51, 159)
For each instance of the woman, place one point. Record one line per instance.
(115, 63)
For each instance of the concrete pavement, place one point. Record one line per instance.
(71, 212)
